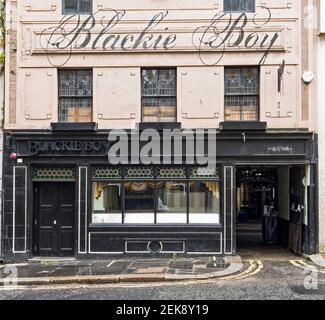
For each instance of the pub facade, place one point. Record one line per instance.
(231, 81)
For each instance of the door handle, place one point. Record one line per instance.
(54, 222)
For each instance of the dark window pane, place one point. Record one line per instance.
(85, 6)
(70, 6)
(139, 196)
(241, 81)
(77, 6)
(239, 5)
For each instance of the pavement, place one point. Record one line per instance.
(318, 260)
(268, 273)
(70, 271)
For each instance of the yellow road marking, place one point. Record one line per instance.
(303, 265)
(254, 268)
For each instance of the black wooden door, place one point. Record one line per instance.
(54, 219)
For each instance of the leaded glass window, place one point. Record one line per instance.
(75, 95)
(54, 174)
(204, 172)
(139, 173)
(107, 173)
(242, 94)
(159, 95)
(77, 6)
(170, 173)
(239, 5)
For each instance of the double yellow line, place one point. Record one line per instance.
(255, 266)
(303, 265)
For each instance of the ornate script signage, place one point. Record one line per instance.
(104, 33)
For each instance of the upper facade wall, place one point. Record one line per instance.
(180, 37)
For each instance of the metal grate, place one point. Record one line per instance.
(167, 173)
(62, 174)
(208, 172)
(107, 173)
(137, 172)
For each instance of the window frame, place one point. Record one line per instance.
(258, 95)
(239, 11)
(76, 97)
(187, 180)
(78, 11)
(159, 96)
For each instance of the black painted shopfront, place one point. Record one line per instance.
(63, 198)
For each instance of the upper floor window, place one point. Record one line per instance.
(159, 95)
(77, 6)
(75, 95)
(239, 5)
(242, 94)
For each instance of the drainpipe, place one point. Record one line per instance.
(2, 105)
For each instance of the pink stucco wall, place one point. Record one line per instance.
(117, 95)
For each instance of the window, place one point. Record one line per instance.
(77, 6)
(139, 196)
(242, 94)
(204, 201)
(145, 195)
(75, 95)
(239, 5)
(159, 95)
(107, 202)
(171, 202)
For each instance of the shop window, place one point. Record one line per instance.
(159, 95)
(77, 6)
(107, 202)
(144, 195)
(171, 202)
(204, 200)
(139, 196)
(139, 202)
(239, 5)
(75, 95)
(242, 94)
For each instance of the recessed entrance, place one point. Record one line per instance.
(270, 207)
(257, 206)
(54, 219)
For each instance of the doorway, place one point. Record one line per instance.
(54, 219)
(257, 206)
